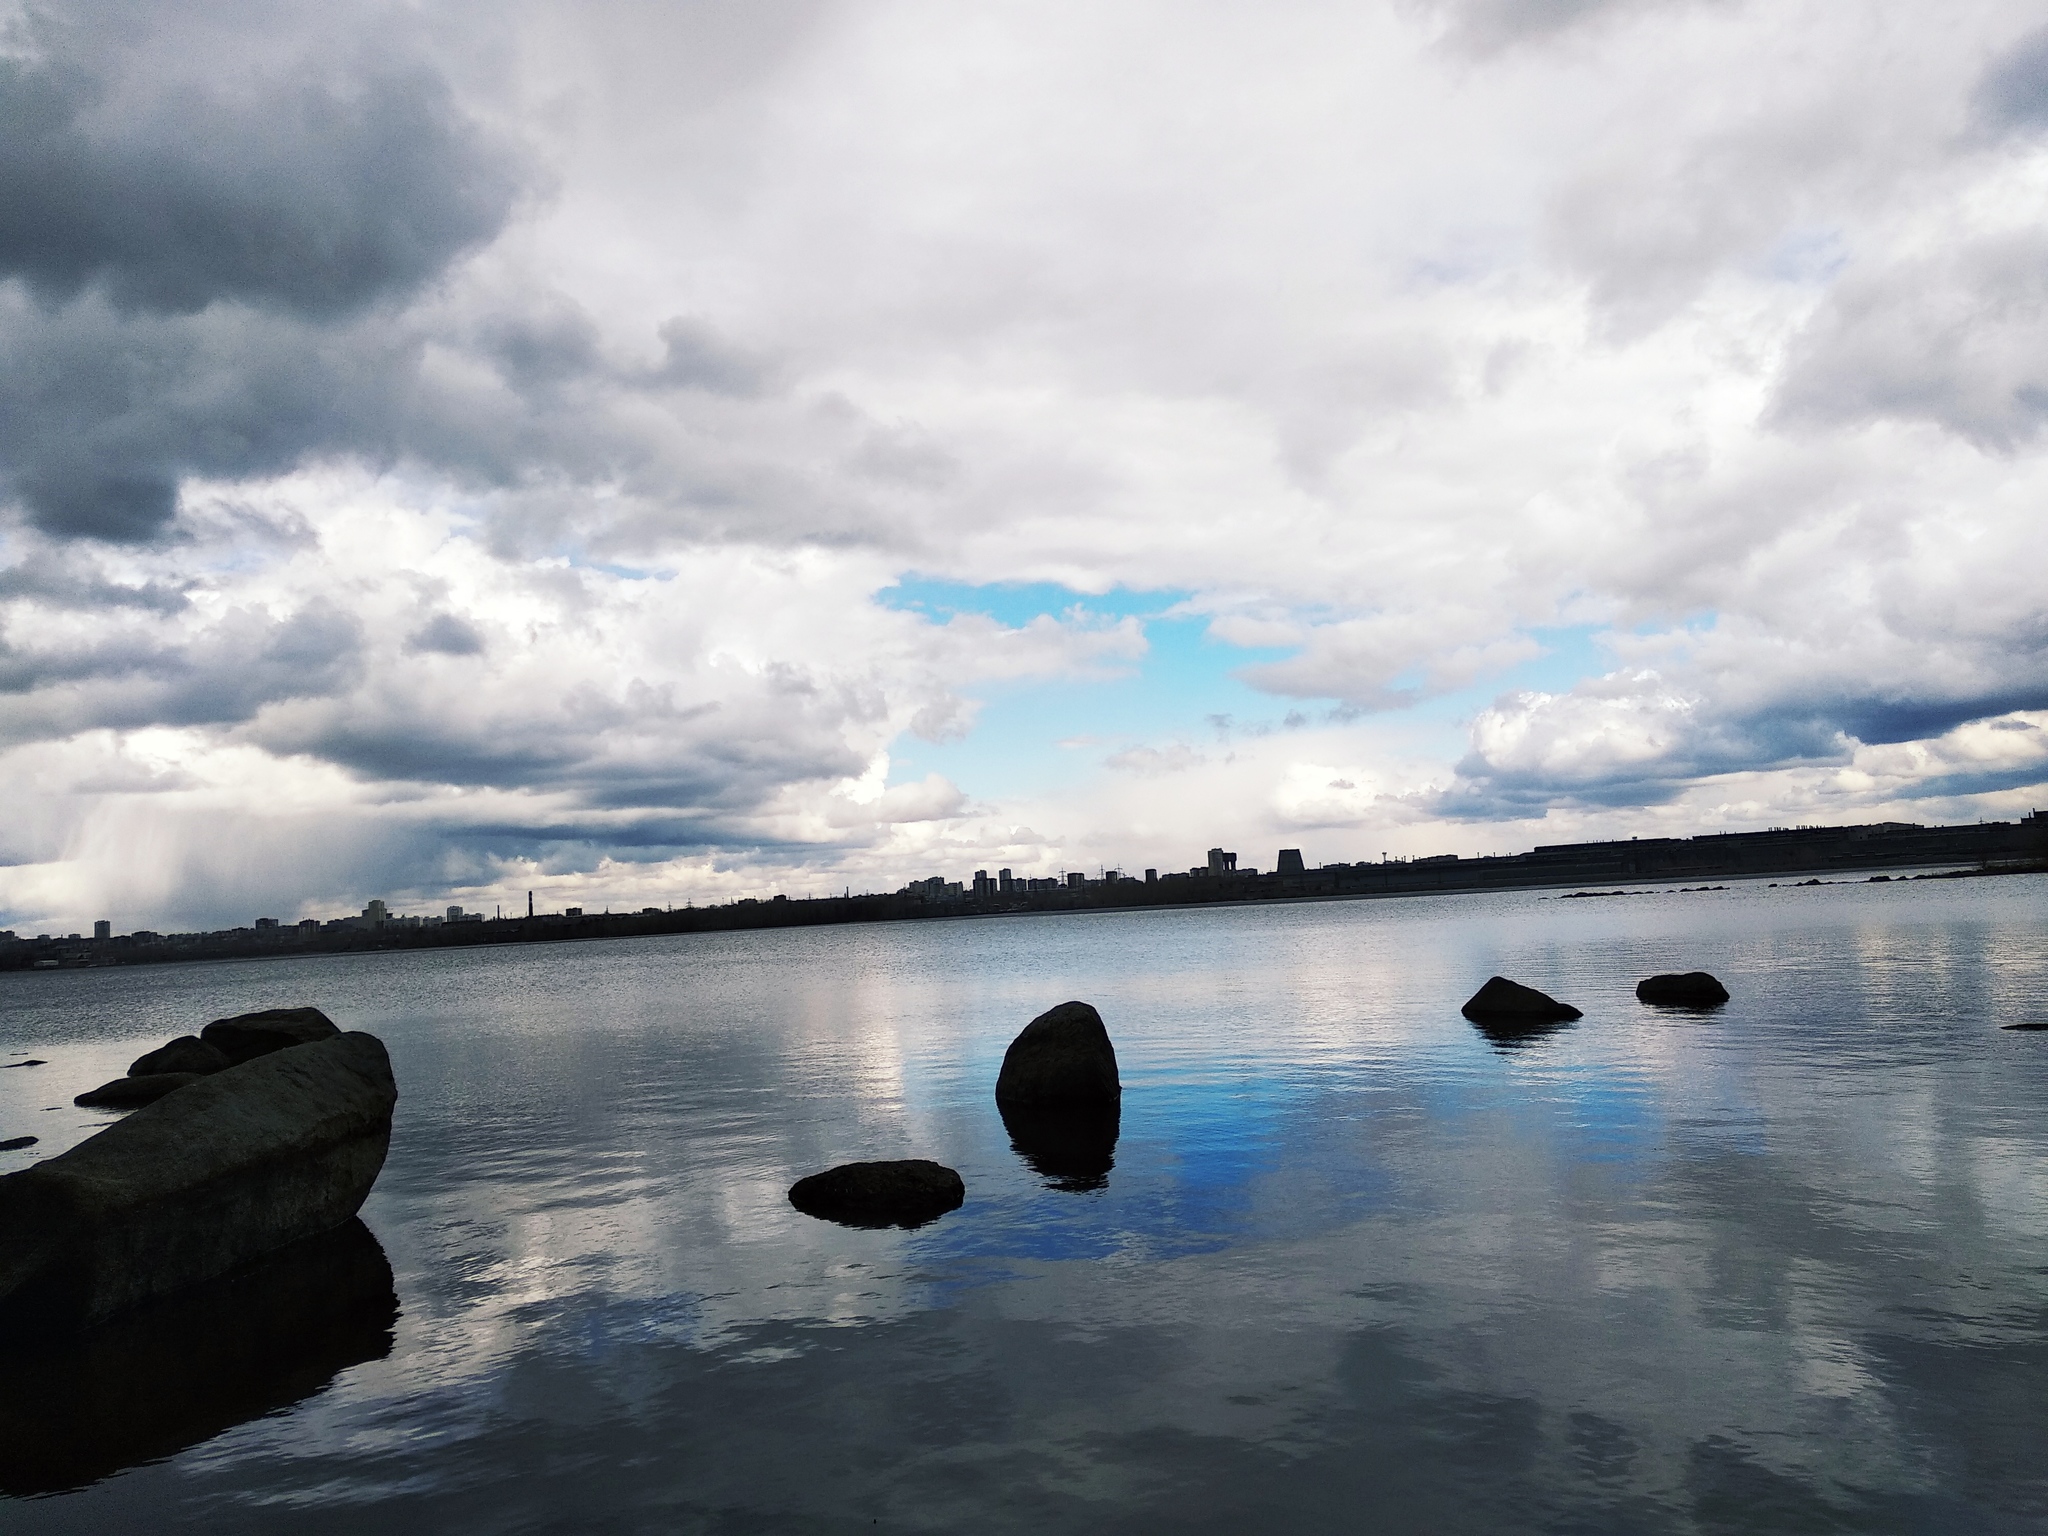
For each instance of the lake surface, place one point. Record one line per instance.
(1782, 1267)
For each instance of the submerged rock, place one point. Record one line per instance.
(175, 1372)
(187, 1053)
(228, 1167)
(907, 1193)
(1061, 1059)
(249, 1035)
(1509, 1002)
(1071, 1149)
(1693, 989)
(133, 1092)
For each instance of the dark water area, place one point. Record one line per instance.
(1345, 1261)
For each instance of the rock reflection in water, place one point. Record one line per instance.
(175, 1373)
(1508, 1034)
(1071, 1149)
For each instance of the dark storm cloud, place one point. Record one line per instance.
(128, 679)
(2013, 93)
(1549, 763)
(697, 357)
(201, 258)
(446, 634)
(103, 414)
(314, 196)
(54, 582)
(1882, 721)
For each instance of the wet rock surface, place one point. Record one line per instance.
(249, 1035)
(905, 1193)
(1062, 1059)
(1690, 989)
(133, 1092)
(1511, 1002)
(187, 1053)
(1513, 1016)
(226, 1168)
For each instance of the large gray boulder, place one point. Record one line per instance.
(187, 1053)
(905, 1193)
(249, 1035)
(133, 1092)
(228, 1167)
(1061, 1060)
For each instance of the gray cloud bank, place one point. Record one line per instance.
(179, 246)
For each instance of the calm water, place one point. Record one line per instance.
(1781, 1268)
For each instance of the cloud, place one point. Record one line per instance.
(1391, 660)
(2012, 96)
(446, 634)
(207, 228)
(1151, 762)
(313, 196)
(488, 443)
(1627, 739)
(1487, 26)
(1953, 338)
(219, 672)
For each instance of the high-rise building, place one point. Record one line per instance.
(103, 929)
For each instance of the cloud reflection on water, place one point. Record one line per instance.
(1778, 1265)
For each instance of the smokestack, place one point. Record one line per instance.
(529, 903)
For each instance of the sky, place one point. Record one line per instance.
(648, 453)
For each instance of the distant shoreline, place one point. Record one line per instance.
(1825, 854)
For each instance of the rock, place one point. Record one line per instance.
(16, 1143)
(1694, 989)
(899, 1194)
(1509, 1002)
(175, 1372)
(249, 1035)
(1071, 1149)
(33, 1061)
(1062, 1058)
(187, 1053)
(2027, 1024)
(131, 1092)
(229, 1167)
